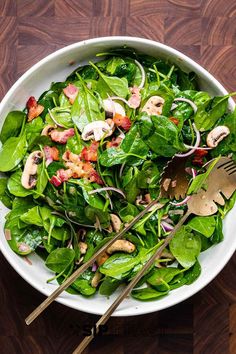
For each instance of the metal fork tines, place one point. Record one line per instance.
(229, 167)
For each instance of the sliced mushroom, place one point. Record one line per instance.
(216, 135)
(96, 130)
(83, 247)
(47, 130)
(111, 108)
(154, 105)
(96, 279)
(29, 175)
(102, 258)
(121, 246)
(116, 222)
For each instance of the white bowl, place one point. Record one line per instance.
(56, 67)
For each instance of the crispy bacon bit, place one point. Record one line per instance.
(71, 92)
(62, 176)
(90, 153)
(198, 157)
(135, 100)
(70, 156)
(94, 177)
(61, 137)
(51, 154)
(34, 109)
(174, 120)
(55, 181)
(121, 121)
(115, 142)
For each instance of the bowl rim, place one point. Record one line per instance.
(136, 40)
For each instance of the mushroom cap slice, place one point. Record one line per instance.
(154, 105)
(96, 130)
(29, 175)
(113, 107)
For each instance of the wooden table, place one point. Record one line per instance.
(206, 31)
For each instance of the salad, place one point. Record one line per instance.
(82, 160)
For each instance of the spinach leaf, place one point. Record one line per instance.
(12, 152)
(128, 212)
(218, 235)
(60, 259)
(112, 156)
(192, 274)
(205, 225)
(132, 151)
(62, 115)
(206, 117)
(94, 214)
(149, 175)
(83, 283)
(33, 130)
(161, 277)
(161, 135)
(185, 247)
(86, 109)
(147, 294)
(94, 200)
(109, 286)
(119, 265)
(42, 179)
(32, 217)
(15, 187)
(12, 125)
(199, 182)
(4, 197)
(133, 145)
(74, 144)
(22, 241)
(111, 85)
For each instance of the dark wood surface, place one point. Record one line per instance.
(206, 31)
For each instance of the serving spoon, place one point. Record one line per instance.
(222, 179)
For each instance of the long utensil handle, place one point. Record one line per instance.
(104, 318)
(84, 266)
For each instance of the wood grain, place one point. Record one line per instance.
(206, 31)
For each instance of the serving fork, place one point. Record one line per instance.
(221, 184)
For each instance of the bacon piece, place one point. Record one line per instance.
(94, 177)
(135, 99)
(63, 136)
(71, 91)
(55, 181)
(61, 176)
(51, 154)
(115, 142)
(198, 157)
(122, 121)
(174, 120)
(34, 109)
(70, 156)
(90, 153)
